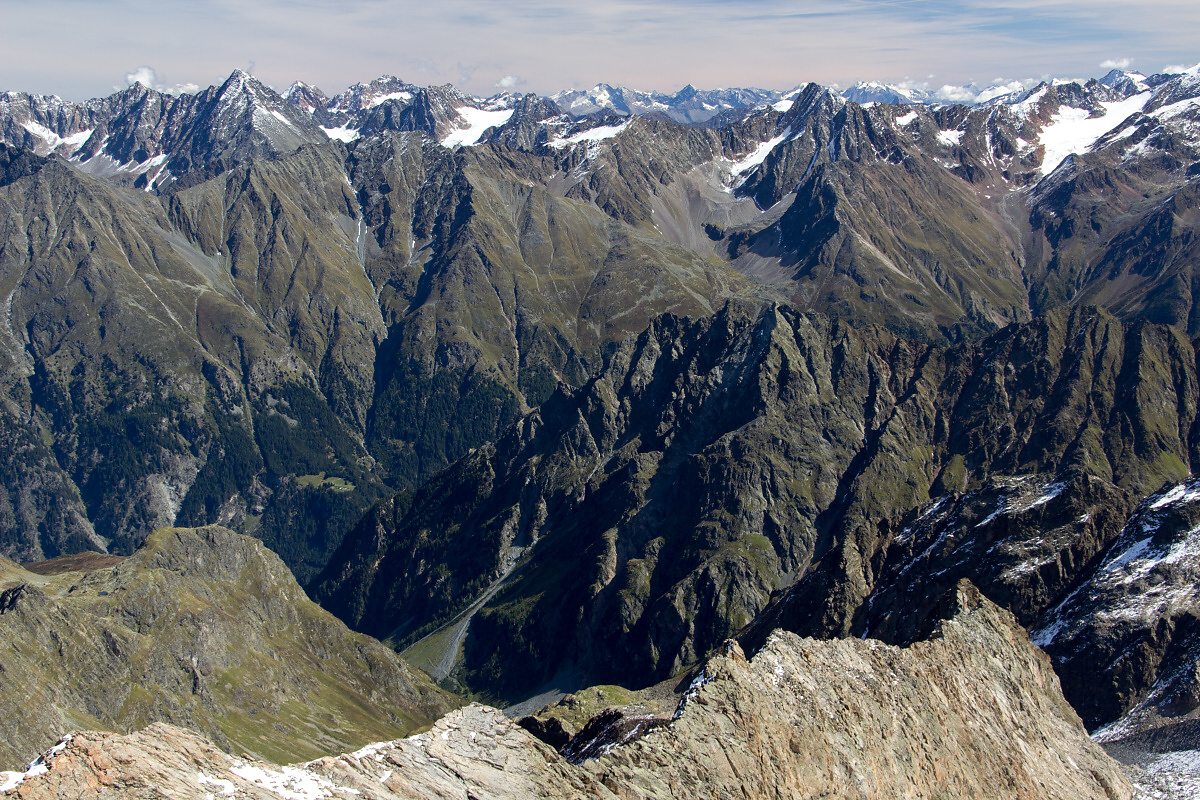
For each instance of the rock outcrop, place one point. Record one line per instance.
(974, 712)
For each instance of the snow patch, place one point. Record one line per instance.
(1178, 494)
(759, 155)
(950, 138)
(598, 134)
(478, 121)
(373, 750)
(1030, 104)
(383, 98)
(698, 683)
(10, 780)
(280, 116)
(289, 783)
(53, 140)
(1074, 130)
(344, 134)
(906, 119)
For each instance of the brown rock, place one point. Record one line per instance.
(975, 711)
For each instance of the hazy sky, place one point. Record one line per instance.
(86, 48)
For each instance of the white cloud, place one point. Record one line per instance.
(510, 82)
(910, 85)
(148, 77)
(1116, 63)
(143, 75)
(955, 94)
(1001, 87)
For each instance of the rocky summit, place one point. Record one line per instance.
(974, 711)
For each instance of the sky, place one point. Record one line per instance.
(87, 48)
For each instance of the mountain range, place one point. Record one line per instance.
(549, 392)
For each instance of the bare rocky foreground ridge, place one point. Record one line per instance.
(974, 711)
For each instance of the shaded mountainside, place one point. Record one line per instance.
(165, 361)
(634, 524)
(973, 712)
(202, 628)
(273, 348)
(318, 301)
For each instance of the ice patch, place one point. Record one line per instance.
(383, 98)
(1016, 504)
(372, 750)
(478, 121)
(151, 163)
(76, 139)
(906, 119)
(53, 140)
(279, 116)
(698, 682)
(36, 767)
(759, 155)
(591, 135)
(1049, 492)
(1175, 109)
(783, 105)
(950, 138)
(344, 134)
(1073, 130)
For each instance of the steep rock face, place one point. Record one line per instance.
(973, 712)
(1126, 637)
(652, 513)
(203, 628)
(150, 345)
(1051, 506)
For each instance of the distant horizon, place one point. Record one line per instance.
(149, 78)
(79, 49)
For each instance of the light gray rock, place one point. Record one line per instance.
(975, 711)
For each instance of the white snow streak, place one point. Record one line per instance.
(344, 134)
(383, 98)
(223, 785)
(591, 135)
(759, 155)
(53, 140)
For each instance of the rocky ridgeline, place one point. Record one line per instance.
(203, 628)
(287, 326)
(974, 711)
